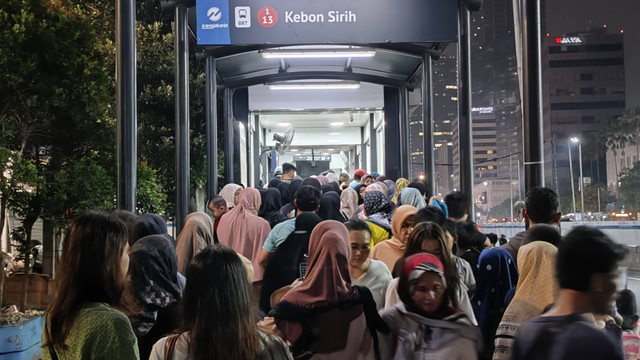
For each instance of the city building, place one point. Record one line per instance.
(583, 91)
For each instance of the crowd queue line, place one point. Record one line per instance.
(338, 267)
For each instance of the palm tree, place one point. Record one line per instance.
(617, 136)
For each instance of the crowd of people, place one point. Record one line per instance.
(338, 267)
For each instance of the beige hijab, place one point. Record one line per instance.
(389, 251)
(243, 231)
(196, 235)
(348, 202)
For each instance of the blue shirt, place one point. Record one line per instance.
(279, 234)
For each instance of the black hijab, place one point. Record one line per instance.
(147, 224)
(420, 186)
(270, 206)
(330, 207)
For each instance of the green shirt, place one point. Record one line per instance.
(98, 332)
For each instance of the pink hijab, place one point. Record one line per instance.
(327, 282)
(243, 231)
(196, 235)
(323, 180)
(328, 278)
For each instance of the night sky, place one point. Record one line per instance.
(566, 16)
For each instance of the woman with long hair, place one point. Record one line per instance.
(218, 321)
(83, 320)
(425, 325)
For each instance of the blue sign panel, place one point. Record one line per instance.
(290, 22)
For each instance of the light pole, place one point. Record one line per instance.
(573, 191)
(576, 140)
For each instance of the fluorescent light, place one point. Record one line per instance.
(575, 140)
(315, 86)
(326, 154)
(336, 123)
(284, 124)
(334, 133)
(330, 149)
(316, 53)
(293, 150)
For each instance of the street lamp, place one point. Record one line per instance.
(581, 188)
(573, 191)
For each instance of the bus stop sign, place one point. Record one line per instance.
(295, 22)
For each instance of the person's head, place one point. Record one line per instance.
(218, 206)
(288, 171)
(230, 192)
(367, 180)
(469, 237)
(422, 285)
(541, 207)
(93, 268)
(250, 200)
(358, 174)
(360, 239)
(542, 232)
(503, 240)
(420, 186)
(458, 205)
(435, 215)
(146, 224)
(344, 178)
(313, 182)
(376, 202)
(627, 308)
(493, 238)
(360, 189)
(217, 305)
(307, 198)
(588, 263)
(402, 222)
(429, 237)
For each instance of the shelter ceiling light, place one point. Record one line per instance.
(334, 133)
(337, 123)
(316, 53)
(284, 124)
(315, 86)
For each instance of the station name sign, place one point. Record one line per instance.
(294, 22)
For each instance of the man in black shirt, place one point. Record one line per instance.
(586, 270)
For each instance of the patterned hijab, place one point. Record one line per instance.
(196, 235)
(378, 208)
(153, 269)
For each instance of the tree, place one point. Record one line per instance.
(629, 185)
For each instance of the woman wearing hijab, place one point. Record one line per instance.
(348, 203)
(153, 270)
(330, 207)
(325, 315)
(400, 185)
(359, 189)
(411, 196)
(497, 275)
(389, 251)
(420, 186)
(425, 325)
(196, 235)
(323, 180)
(378, 186)
(270, 206)
(367, 180)
(391, 188)
(244, 231)
(536, 289)
(333, 178)
(146, 224)
(230, 193)
(378, 210)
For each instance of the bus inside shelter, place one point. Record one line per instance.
(325, 86)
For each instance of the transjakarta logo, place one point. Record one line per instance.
(347, 16)
(214, 14)
(569, 40)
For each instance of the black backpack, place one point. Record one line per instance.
(283, 266)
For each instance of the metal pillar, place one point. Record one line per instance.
(532, 95)
(404, 132)
(256, 151)
(427, 124)
(211, 114)
(228, 136)
(581, 187)
(464, 105)
(392, 157)
(573, 190)
(373, 143)
(126, 108)
(182, 115)
(363, 152)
